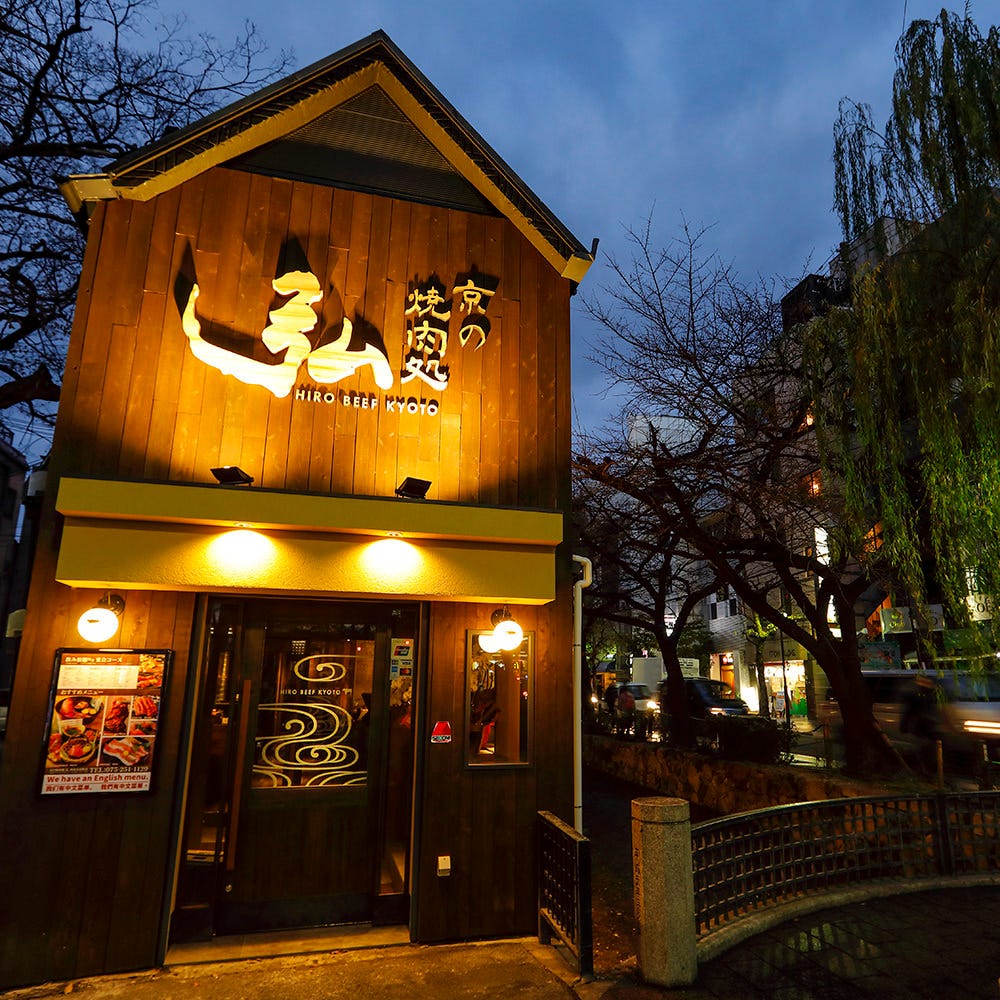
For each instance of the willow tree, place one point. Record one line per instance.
(908, 405)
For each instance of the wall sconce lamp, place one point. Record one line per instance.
(413, 489)
(232, 475)
(101, 622)
(507, 635)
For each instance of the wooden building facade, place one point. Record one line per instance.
(301, 716)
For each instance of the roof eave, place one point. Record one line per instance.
(236, 129)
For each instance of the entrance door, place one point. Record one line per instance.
(299, 801)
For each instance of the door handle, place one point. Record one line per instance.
(236, 796)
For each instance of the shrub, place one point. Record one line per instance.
(750, 737)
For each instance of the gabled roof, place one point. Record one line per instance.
(364, 117)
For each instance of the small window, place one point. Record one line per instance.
(499, 703)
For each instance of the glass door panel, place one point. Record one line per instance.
(299, 803)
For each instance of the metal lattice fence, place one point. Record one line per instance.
(564, 901)
(747, 862)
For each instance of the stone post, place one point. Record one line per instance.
(664, 891)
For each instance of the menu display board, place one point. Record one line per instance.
(104, 720)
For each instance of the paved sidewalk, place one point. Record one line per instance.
(519, 969)
(939, 945)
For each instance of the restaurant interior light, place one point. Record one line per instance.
(507, 634)
(413, 489)
(232, 475)
(101, 622)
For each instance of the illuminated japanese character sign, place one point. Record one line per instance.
(289, 336)
(287, 330)
(475, 290)
(428, 315)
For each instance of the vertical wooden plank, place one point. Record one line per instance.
(528, 429)
(339, 450)
(296, 458)
(275, 419)
(94, 356)
(322, 262)
(347, 417)
(194, 375)
(159, 252)
(84, 302)
(173, 354)
(244, 408)
(299, 445)
(173, 344)
(253, 281)
(476, 390)
(130, 271)
(318, 236)
(189, 210)
(563, 436)
(393, 335)
(548, 428)
(408, 427)
(184, 448)
(509, 381)
(135, 438)
(107, 443)
(357, 260)
(491, 263)
(371, 318)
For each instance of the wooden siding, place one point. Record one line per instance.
(484, 816)
(141, 405)
(75, 864)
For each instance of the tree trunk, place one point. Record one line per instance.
(867, 750)
(680, 732)
(764, 701)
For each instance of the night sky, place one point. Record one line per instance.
(717, 112)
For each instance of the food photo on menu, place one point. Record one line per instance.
(127, 750)
(76, 726)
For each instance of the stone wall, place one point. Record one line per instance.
(721, 786)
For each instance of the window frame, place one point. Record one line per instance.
(475, 761)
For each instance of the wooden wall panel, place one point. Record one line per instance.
(142, 404)
(106, 853)
(485, 816)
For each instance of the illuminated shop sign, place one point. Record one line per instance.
(425, 344)
(428, 316)
(368, 401)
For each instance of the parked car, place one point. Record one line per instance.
(707, 697)
(707, 701)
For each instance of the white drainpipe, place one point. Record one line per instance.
(584, 581)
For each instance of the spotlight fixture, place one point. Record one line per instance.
(101, 622)
(232, 475)
(507, 634)
(413, 489)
